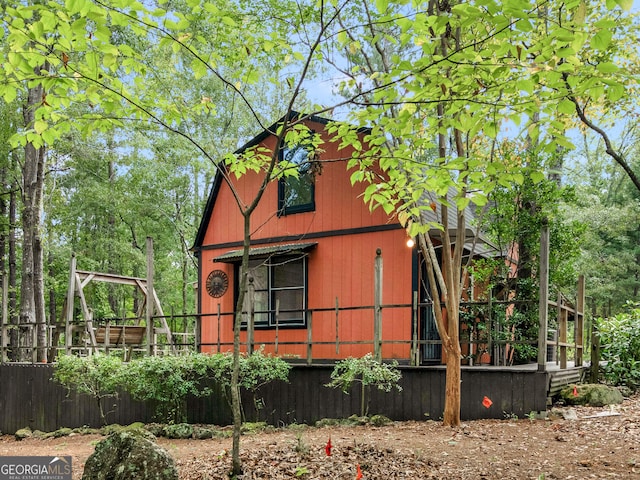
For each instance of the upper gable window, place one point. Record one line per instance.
(297, 194)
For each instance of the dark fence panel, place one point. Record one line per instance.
(29, 397)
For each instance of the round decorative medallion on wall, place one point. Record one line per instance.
(217, 283)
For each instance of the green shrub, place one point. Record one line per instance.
(167, 381)
(256, 370)
(620, 346)
(367, 371)
(98, 375)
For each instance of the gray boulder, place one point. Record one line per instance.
(129, 455)
(23, 433)
(594, 395)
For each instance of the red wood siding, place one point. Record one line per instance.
(340, 266)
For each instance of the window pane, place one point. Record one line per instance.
(288, 274)
(291, 299)
(297, 191)
(260, 274)
(297, 155)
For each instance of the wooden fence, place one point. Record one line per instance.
(29, 397)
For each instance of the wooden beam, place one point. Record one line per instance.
(562, 332)
(85, 280)
(111, 278)
(68, 329)
(579, 326)
(543, 312)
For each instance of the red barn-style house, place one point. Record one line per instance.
(318, 255)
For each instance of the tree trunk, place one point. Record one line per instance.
(13, 317)
(4, 237)
(27, 295)
(31, 294)
(111, 231)
(451, 415)
(235, 374)
(53, 319)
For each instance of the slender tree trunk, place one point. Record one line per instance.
(4, 237)
(184, 263)
(13, 283)
(112, 292)
(38, 291)
(235, 374)
(53, 318)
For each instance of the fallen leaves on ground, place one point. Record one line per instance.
(592, 446)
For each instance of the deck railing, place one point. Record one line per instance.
(484, 339)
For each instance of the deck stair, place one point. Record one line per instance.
(559, 379)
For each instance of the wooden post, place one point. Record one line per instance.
(150, 304)
(414, 339)
(579, 326)
(277, 323)
(377, 309)
(562, 331)
(489, 328)
(71, 290)
(107, 335)
(543, 312)
(4, 337)
(252, 315)
(219, 319)
(595, 347)
(337, 330)
(309, 337)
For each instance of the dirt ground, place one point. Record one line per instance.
(601, 443)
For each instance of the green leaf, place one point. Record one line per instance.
(40, 126)
(537, 176)
(211, 8)
(602, 39)
(625, 4)
(74, 6)
(607, 67)
(581, 13)
(615, 92)
(382, 5)
(9, 93)
(229, 21)
(566, 106)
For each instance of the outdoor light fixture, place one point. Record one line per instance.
(410, 243)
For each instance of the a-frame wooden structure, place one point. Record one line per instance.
(114, 336)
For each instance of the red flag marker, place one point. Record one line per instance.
(358, 472)
(486, 402)
(575, 390)
(327, 448)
